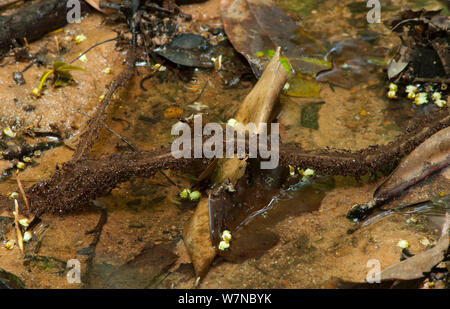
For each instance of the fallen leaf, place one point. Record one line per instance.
(415, 267)
(429, 157)
(10, 281)
(397, 66)
(256, 26)
(144, 269)
(96, 5)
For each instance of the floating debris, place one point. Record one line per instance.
(12, 195)
(223, 245)
(24, 222)
(10, 244)
(308, 172)
(80, 38)
(412, 220)
(198, 106)
(392, 95)
(27, 236)
(36, 92)
(403, 244)
(232, 122)
(27, 159)
(411, 90)
(217, 63)
(225, 242)
(18, 78)
(291, 170)
(83, 58)
(107, 70)
(421, 98)
(425, 242)
(226, 236)
(195, 195)
(185, 194)
(8, 132)
(173, 113)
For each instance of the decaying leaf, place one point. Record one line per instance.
(429, 157)
(255, 26)
(10, 281)
(96, 5)
(425, 49)
(189, 50)
(256, 108)
(415, 267)
(143, 270)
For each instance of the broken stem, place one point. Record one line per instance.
(22, 191)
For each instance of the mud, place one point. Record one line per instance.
(294, 250)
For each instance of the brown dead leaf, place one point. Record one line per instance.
(96, 5)
(415, 267)
(255, 26)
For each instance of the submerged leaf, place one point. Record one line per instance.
(310, 115)
(255, 26)
(188, 49)
(429, 157)
(10, 281)
(415, 267)
(299, 86)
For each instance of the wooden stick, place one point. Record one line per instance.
(22, 191)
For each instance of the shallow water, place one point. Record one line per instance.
(299, 240)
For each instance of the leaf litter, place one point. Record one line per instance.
(305, 158)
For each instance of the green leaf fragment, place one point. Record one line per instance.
(320, 62)
(270, 53)
(44, 78)
(61, 70)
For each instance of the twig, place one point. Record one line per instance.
(93, 46)
(6, 5)
(22, 191)
(168, 178)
